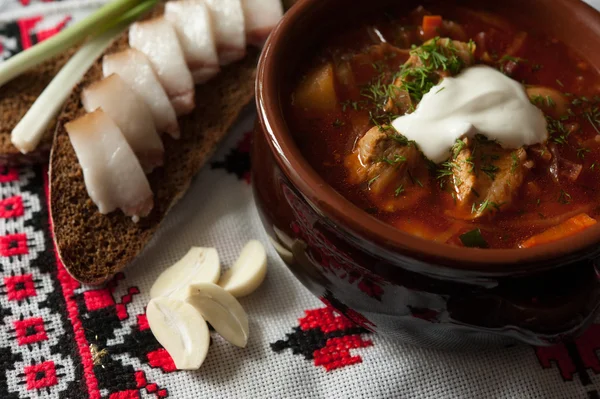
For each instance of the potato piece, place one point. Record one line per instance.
(317, 90)
(550, 101)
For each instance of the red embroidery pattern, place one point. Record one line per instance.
(325, 319)
(13, 244)
(19, 287)
(160, 358)
(41, 375)
(26, 25)
(103, 298)
(142, 383)
(8, 175)
(327, 338)
(336, 353)
(68, 285)
(47, 33)
(587, 346)
(125, 300)
(11, 207)
(575, 357)
(30, 330)
(142, 322)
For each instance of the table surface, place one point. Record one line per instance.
(49, 323)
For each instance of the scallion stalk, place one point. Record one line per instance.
(66, 39)
(31, 128)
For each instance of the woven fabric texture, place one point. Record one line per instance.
(59, 339)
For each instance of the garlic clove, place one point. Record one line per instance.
(248, 272)
(180, 329)
(221, 310)
(198, 265)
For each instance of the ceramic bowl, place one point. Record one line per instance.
(385, 280)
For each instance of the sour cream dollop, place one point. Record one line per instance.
(480, 100)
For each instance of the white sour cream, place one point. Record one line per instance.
(479, 100)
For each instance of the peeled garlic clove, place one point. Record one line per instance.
(248, 272)
(221, 310)
(181, 330)
(197, 266)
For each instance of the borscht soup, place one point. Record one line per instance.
(455, 125)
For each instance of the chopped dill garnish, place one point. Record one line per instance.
(338, 123)
(515, 162)
(400, 139)
(557, 130)
(372, 181)
(593, 117)
(564, 197)
(440, 56)
(440, 89)
(399, 190)
(485, 205)
(355, 105)
(435, 55)
(593, 166)
(582, 151)
(537, 100)
(560, 83)
(538, 202)
(447, 169)
(536, 67)
(458, 146)
(550, 101)
(414, 180)
(393, 161)
(490, 170)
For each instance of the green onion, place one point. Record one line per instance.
(96, 23)
(31, 128)
(473, 239)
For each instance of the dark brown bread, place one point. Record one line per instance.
(92, 246)
(16, 97)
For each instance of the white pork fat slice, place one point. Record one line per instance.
(112, 173)
(192, 22)
(132, 116)
(156, 38)
(261, 16)
(135, 70)
(228, 22)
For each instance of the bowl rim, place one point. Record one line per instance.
(363, 225)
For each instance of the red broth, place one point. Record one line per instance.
(549, 195)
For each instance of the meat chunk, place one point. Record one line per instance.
(458, 55)
(486, 177)
(393, 168)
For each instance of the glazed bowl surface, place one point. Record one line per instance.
(388, 281)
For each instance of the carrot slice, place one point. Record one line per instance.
(431, 25)
(566, 229)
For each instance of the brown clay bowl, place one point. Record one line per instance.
(390, 282)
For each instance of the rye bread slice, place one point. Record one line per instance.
(93, 247)
(16, 97)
